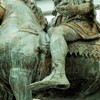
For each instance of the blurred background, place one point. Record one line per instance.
(47, 6)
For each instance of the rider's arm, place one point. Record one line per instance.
(74, 9)
(85, 8)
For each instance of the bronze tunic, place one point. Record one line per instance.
(85, 25)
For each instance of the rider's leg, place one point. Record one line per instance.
(58, 46)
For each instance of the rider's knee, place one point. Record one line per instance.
(56, 31)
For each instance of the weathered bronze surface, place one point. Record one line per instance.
(20, 33)
(25, 57)
(74, 31)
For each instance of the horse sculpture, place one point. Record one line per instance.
(19, 42)
(20, 35)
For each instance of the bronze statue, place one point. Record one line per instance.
(20, 34)
(22, 27)
(75, 20)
